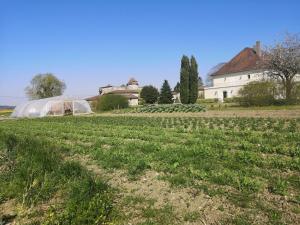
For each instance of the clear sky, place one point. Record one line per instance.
(91, 43)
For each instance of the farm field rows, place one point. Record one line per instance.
(225, 170)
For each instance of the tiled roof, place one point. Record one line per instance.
(246, 60)
(94, 98)
(107, 86)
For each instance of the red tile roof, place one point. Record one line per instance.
(246, 60)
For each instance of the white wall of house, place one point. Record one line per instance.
(230, 84)
(133, 102)
(106, 90)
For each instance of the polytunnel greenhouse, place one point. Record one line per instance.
(55, 106)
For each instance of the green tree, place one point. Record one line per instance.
(177, 88)
(45, 86)
(184, 80)
(258, 93)
(111, 101)
(193, 81)
(165, 96)
(200, 82)
(149, 94)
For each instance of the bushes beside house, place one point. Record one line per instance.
(207, 101)
(111, 102)
(258, 93)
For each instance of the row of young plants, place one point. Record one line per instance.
(250, 159)
(49, 189)
(170, 108)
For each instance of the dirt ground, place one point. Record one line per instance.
(149, 187)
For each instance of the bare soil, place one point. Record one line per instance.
(211, 210)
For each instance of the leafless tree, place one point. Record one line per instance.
(283, 62)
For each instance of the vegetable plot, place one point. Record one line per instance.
(251, 163)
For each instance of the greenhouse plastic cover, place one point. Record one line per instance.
(54, 106)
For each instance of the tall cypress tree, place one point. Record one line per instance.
(184, 80)
(165, 96)
(193, 81)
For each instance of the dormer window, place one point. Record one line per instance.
(249, 76)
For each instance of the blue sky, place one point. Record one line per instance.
(91, 43)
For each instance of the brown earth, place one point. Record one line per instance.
(150, 187)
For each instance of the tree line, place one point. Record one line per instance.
(282, 63)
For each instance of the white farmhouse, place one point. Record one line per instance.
(230, 77)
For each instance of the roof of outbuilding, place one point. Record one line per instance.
(93, 98)
(107, 86)
(246, 60)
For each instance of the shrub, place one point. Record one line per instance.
(232, 100)
(208, 100)
(165, 96)
(149, 94)
(111, 101)
(258, 93)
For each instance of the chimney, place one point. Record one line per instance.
(257, 48)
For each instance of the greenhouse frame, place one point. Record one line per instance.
(54, 106)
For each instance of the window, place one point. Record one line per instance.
(240, 77)
(248, 76)
(216, 92)
(224, 78)
(231, 91)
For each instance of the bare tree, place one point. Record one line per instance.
(283, 63)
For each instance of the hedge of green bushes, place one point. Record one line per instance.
(207, 101)
(111, 102)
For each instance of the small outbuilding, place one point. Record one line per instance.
(54, 106)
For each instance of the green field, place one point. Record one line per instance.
(168, 170)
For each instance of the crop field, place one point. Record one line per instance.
(163, 170)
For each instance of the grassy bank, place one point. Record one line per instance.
(39, 187)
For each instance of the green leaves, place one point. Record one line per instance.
(184, 80)
(165, 96)
(188, 80)
(45, 86)
(149, 94)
